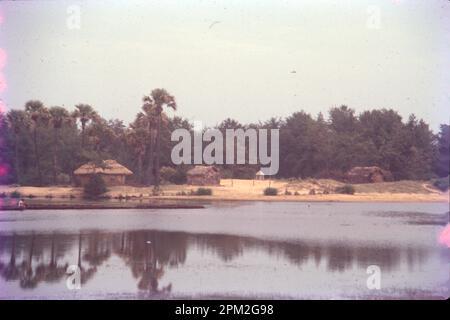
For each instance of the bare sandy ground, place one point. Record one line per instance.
(252, 190)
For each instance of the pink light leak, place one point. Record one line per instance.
(444, 237)
(3, 170)
(3, 57)
(2, 83)
(2, 107)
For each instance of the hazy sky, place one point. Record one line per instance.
(229, 59)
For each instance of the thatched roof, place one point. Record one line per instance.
(106, 167)
(368, 174)
(365, 170)
(202, 170)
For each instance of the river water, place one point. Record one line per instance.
(280, 250)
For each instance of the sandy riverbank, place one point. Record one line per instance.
(249, 190)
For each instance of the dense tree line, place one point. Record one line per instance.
(327, 148)
(43, 145)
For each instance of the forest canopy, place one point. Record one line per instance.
(43, 145)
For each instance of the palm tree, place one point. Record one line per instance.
(137, 137)
(85, 113)
(58, 117)
(38, 115)
(100, 135)
(159, 98)
(17, 120)
(149, 120)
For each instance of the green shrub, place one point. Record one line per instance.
(180, 176)
(441, 183)
(270, 191)
(95, 187)
(345, 189)
(15, 194)
(167, 174)
(203, 192)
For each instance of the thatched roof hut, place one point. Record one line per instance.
(368, 175)
(203, 175)
(112, 172)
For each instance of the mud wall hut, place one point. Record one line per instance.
(203, 176)
(368, 175)
(112, 173)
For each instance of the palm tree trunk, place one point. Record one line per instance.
(158, 152)
(12, 261)
(150, 161)
(139, 164)
(79, 250)
(52, 252)
(30, 256)
(36, 153)
(16, 156)
(55, 155)
(83, 125)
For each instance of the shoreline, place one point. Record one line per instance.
(81, 206)
(199, 202)
(183, 196)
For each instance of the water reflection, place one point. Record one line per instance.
(31, 259)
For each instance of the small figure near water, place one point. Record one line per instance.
(21, 204)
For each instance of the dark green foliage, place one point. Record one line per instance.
(443, 154)
(15, 194)
(203, 192)
(345, 189)
(270, 191)
(325, 146)
(179, 177)
(174, 175)
(167, 174)
(442, 183)
(316, 148)
(95, 187)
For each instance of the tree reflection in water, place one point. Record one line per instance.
(33, 258)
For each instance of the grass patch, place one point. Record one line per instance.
(404, 186)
